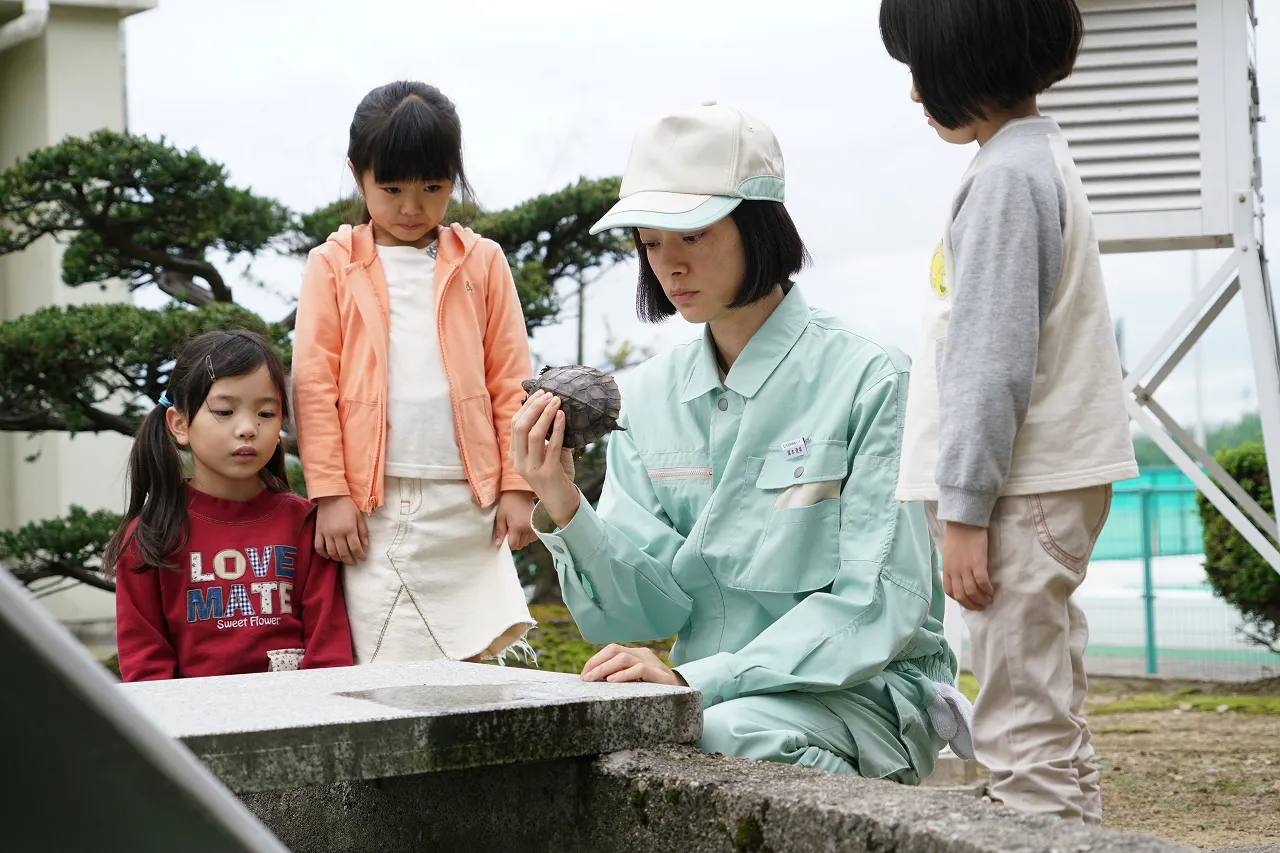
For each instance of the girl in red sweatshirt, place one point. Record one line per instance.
(217, 574)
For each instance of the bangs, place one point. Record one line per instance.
(225, 354)
(414, 143)
(772, 249)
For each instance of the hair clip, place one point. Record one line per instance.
(164, 400)
(208, 363)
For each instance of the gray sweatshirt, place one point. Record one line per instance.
(1022, 364)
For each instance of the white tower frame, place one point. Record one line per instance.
(1161, 114)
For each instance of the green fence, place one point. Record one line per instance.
(1154, 516)
(1174, 519)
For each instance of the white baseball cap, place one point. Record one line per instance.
(691, 168)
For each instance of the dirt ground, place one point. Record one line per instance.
(1189, 773)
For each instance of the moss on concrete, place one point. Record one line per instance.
(748, 837)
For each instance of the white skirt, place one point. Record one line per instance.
(434, 587)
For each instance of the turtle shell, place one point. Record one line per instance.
(589, 398)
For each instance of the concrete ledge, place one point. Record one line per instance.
(688, 801)
(668, 798)
(290, 729)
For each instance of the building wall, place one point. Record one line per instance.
(67, 82)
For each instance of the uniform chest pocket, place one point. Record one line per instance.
(789, 517)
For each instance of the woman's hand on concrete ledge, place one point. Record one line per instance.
(619, 663)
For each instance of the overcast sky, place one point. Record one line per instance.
(268, 88)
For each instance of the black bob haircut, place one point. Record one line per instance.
(966, 55)
(774, 255)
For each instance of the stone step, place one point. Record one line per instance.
(959, 774)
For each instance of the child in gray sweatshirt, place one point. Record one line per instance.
(1015, 426)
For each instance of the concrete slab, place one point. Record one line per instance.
(281, 730)
(85, 770)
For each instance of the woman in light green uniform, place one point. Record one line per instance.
(748, 506)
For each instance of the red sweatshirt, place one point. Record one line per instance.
(248, 581)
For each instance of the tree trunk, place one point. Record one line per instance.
(582, 320)
(183, 288)
(546, 588)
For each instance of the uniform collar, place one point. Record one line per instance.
(761, 356)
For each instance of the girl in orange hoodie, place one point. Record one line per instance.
(409, 352)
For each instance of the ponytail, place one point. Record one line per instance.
(275, 474)
(157, 499)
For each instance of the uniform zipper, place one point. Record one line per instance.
(679, 474)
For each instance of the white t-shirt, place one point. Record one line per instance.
(422, 441)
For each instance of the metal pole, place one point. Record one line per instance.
(1197, 358)
(1148, 590)
(1182, 529)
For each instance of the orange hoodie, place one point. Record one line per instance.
(340, 363)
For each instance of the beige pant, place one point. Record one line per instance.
(1028, 653)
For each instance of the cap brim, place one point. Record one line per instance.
(667, 211)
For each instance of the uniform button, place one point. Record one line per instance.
(723, 404)
(800, 471)
(716, 700)
(560, 550)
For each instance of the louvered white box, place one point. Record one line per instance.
(1161, 114)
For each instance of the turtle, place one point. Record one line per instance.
(589, 398)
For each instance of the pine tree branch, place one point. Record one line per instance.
(92, 579)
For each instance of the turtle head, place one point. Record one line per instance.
(529, 385)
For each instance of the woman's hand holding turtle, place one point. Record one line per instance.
(540, 458)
